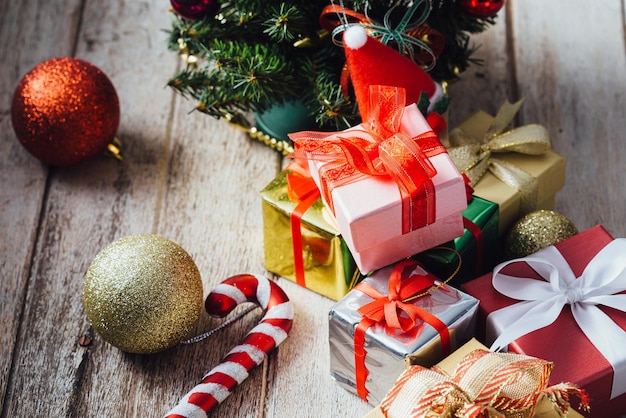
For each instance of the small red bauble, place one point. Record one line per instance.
(195, 9)
(481, 8)
(65, 111)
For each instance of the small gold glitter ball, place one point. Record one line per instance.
(536, 231)
(143, 293)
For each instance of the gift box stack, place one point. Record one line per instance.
(358, 200)
(404, 232)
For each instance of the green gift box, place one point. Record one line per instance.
(478, 247)
(328, 266)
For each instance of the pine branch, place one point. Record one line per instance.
(285, 24)
(255, 53)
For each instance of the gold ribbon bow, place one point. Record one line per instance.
(474, 156)
(484, 385)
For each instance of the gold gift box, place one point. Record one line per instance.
(329, 269)
(544, 409)
(548, 169)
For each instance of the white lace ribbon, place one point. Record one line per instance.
(542, 302)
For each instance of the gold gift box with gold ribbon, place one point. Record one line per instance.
(329, 268)
(524, 387)
(514, 168)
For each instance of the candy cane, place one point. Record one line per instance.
(262, 339)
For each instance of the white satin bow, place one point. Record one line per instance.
(542, 302)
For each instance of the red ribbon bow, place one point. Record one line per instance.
(302, 189)
(396, 315)
(380, 148)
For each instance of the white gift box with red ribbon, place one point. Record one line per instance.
(370, 211)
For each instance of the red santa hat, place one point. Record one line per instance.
(371, 62)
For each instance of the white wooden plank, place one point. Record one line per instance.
(571, 67)
(302, 377)
(212, 207)
(26, 38)
(487, 86)
(86, 208)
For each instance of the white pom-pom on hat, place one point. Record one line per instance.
(371, 62)
(354, 37)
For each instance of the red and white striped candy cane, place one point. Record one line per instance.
(262, 339)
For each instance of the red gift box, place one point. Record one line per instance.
(576, 359)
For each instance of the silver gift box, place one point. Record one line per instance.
(387, 354)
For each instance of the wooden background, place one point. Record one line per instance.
(195, 181)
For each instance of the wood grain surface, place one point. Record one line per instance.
(196, 181)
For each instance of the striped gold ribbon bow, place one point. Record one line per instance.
(474, 156)
(484, 385)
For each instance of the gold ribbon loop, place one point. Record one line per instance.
(503, 119)
(528, 139)
(515, 177)
(474, 156)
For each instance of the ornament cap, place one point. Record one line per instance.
(114, 149)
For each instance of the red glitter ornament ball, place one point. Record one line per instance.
(65, 111)
(195, 9)
(481, 8)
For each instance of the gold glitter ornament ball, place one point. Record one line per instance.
(65, 111)
(536, 231)
(143, 293)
